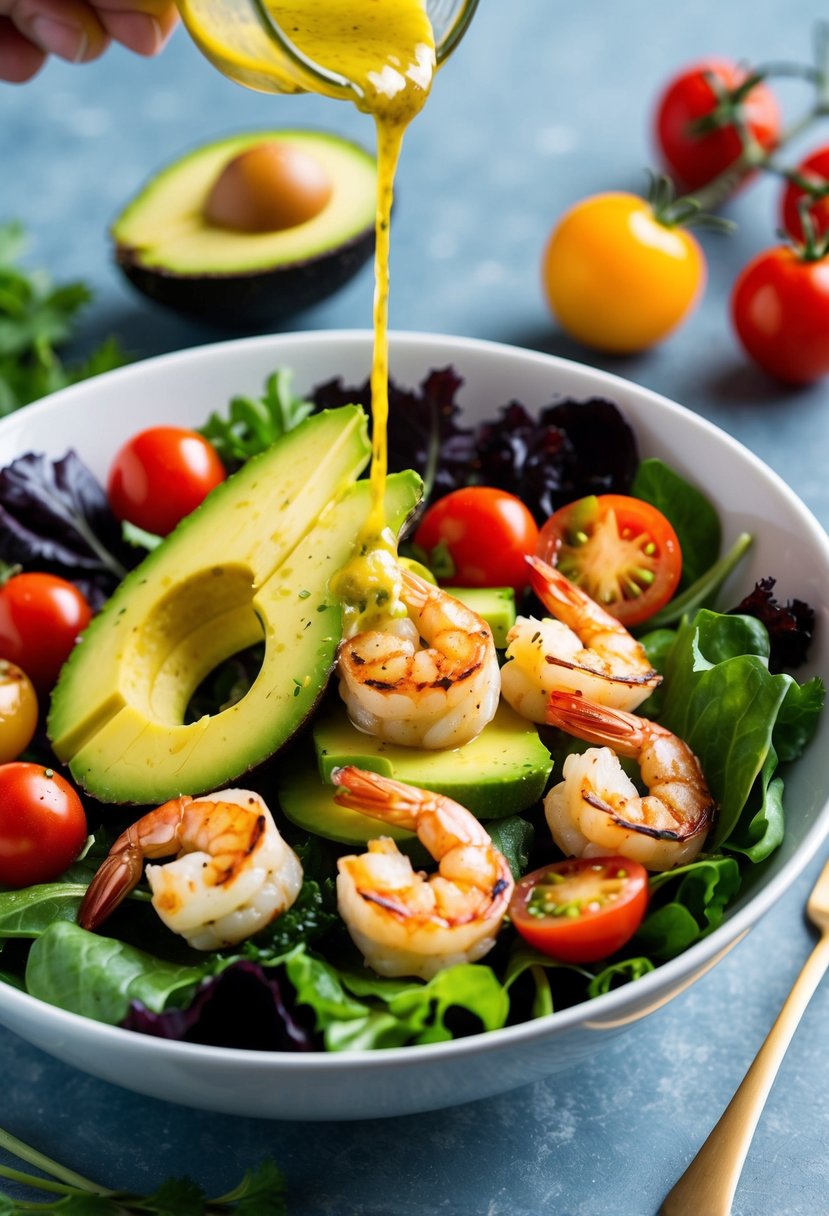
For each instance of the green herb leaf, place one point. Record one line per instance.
(36, 319)
(253, 424)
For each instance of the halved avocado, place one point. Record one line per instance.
(171, 251)
(250, 565)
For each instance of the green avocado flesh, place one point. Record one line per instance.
(495, 604)
(500, 773)
(164, 227)
(250, 565)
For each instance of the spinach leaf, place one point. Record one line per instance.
(694, 518)
(514, 837)
(723, 701)
(700, 892)
(29, 912)
(98, 977)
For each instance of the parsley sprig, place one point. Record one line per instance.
(254, 423)
(261, 1190)
(37, 318)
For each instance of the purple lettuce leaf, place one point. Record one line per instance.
(55, 517)
(241, 1007)
(790, 626)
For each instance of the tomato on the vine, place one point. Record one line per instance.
(487, 533)
(581, 910)
(42, 827)
(41, 616)
(160, 475)
(814, 169)
(706, 95)
(780, 310)
(18, 711)
(621, 550)
(618, 277)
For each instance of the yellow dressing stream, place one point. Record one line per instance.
(385, 49)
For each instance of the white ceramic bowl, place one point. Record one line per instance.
(96, 416)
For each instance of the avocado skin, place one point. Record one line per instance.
(254, 299)
(238, 280)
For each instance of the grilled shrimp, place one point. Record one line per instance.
(437, 696)
(404, 922)
(584, 649)
(232, 875)
(597, 809)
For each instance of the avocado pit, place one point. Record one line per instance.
(268, 188)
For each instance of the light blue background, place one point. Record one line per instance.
(543, 104)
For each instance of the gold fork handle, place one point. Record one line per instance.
(709, 1183)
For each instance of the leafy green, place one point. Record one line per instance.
(693, 516)
(261, 1190)
(514, 837)
(701, 593)
(723, 701)
(616, 974)
(699, 894)
(30, 911)
(396, 1012)
(98, 977)
(36, 320)
(254, 423)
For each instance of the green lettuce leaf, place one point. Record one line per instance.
(686, 904)
(98, 977)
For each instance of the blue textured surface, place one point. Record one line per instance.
(528, 118)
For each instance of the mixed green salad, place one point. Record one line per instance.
(300, 984)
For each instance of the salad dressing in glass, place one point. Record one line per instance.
(385, 49)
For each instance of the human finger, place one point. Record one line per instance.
(20, 59)
(66, 28)
(143, 26)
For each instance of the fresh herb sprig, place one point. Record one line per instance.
(252, 424)
(261, 1190)
(37, 318)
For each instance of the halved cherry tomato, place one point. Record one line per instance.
(814, 169)
(695, 157)
(581, 910)
(18, 711)
(622, 551)
(41, 616)
(486, 532)
(160, 475)
(42, 827)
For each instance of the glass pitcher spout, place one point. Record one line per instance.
(247, 43)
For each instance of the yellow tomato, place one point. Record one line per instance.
(616, 277)
(18, 711)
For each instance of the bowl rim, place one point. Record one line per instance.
(667, 977)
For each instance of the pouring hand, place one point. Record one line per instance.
(78, 31)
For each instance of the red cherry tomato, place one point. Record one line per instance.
(42, 824)
(622, 551)
(696, 158)
(581, 910)
(814, 168)
(487, 533)
(41, 617)
(780, 310)
(160, 475)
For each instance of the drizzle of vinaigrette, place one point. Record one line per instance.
(386, 49)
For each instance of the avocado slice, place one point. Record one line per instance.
(500, 773)
(169, 250)
(495, 604)
(251, 564)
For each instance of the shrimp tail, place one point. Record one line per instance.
(557, 593)
(372, 794)
(594, 723)
(119, 873)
